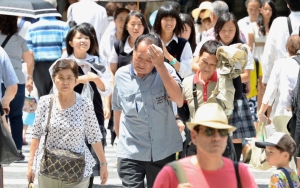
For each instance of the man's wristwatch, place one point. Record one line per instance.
(103, 164)
(28, 76)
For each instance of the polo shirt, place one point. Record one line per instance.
(148, 129)
(203, 90)
(47, 38)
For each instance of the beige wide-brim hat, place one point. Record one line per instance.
(211, 115)
(206, 5)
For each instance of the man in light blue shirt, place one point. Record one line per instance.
(143, 115)
(9, 78)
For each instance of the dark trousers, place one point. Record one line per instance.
(42, 78)
(15, 115)
(133, 172)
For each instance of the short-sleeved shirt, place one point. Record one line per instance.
(68, 129)
(278, 179)
(14, 49)
(199, 178)
(47, 38)
(148, 129)
(7, 73)
(203, 90)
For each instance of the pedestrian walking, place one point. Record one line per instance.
(90, 12)
(143, 115)
(16, 48)
(177, 51)
(83, 49)
(280, 150)
(46, 40)
(209, 132)
(275, 47)
(67, 118)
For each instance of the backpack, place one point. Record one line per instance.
(181, 176)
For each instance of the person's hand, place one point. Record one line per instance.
(106, 112)
(29, 84)
(261, 117)
(91, 76)
(185, 185)
(30, 174)
(166, 53)
(156, 55)
(180, 125)
(103, 174)
(5, 105)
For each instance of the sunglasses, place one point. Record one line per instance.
(211, 131)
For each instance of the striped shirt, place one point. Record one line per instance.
(47, 38)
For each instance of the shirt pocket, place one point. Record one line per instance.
(128, 103)
(160, 100)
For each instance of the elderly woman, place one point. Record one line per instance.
(16, 48)
(72, 119)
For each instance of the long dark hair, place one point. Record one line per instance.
(164, 11)
(260, 20)
(8, 24)
(139, 15)
(85, 29)
(221, 22)
(187, 19)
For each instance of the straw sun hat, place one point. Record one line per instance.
(211, 115)
(207, 6)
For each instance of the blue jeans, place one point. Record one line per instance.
(15, 115)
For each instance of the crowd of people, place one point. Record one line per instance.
(193, 86)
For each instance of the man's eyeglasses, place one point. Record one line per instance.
(211, 131)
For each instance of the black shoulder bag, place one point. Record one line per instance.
(8, 150)
(61, 164)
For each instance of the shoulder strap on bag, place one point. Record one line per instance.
(6, 40)
(195, 96)
(289, 25)
(48, 120)
(257, 70)
(287, 175)
(237, 174)
(179, 172)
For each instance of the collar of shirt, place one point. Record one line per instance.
(214, 77)
(132, 73)
(48, 18)
(173, 38)
(127, 48)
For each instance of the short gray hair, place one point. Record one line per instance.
(219, 8)
(52, 2)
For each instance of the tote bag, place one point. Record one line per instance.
(8, 150)
(258, 157)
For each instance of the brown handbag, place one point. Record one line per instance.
(61, 164)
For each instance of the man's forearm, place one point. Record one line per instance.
(10, 93)
(172, 87)
(117, 116)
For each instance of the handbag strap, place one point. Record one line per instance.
(195, 96)
(289, 25)
(48, 121)
(6, 40)
(237, 174)
(287, 175)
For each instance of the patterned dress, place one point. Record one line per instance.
(68, 129)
